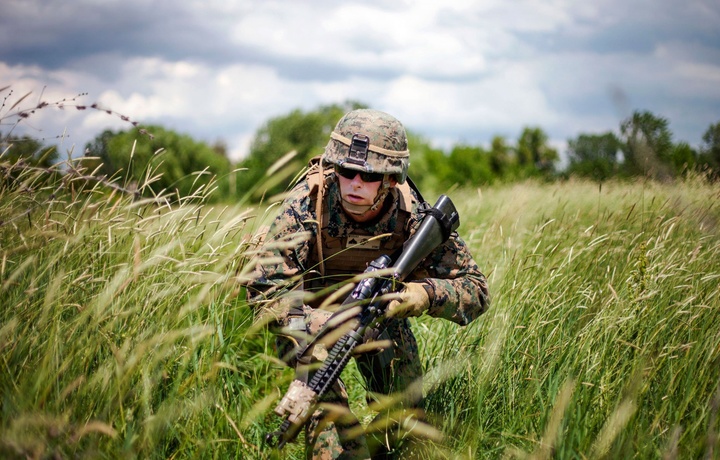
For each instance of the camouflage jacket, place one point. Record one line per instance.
(459, 290)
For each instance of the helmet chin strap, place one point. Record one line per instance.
(359, 210)
(354, 209)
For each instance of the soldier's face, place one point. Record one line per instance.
(357, 191)
(360, 193)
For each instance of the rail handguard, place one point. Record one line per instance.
(301, 399)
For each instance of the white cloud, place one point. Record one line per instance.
(499, 103)
(459, 71)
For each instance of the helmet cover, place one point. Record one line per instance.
(370, 141)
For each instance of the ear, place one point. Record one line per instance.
(393, 181)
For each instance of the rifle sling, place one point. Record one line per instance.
(443, 219)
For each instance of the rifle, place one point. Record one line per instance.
(301, 399)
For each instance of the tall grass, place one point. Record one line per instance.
(605, 325)
(121, 323)
(124, 332)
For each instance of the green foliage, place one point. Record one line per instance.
(428, 166)
(711, 142)
(534, 155)
(647, 145)
(501, 160)
(284, 145)
(683, 158)
(647, 150)
(594, 155)
(710, 149)
(468, 166)
(472, 166)
(31, 151)
(165, 161)
(24, 153)
(304, 133)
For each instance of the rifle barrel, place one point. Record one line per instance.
(434, 230)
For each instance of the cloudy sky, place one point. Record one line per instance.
(456, 71)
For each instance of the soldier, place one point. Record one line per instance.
(354, 205)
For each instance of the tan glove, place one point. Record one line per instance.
(411, 301)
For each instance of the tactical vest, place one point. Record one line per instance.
(345, 257)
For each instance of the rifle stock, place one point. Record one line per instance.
(300, 401)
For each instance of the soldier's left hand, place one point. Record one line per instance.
(411, 301)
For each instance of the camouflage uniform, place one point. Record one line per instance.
(456, 288)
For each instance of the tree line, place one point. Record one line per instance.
(162, 161)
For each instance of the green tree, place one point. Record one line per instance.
(683, 157)
(97, 155)
(304, 133)
(534, 155)
(647, 145)
(501, 159)
(20, 152)
(710, 149)
(31, 151)
(594, 155)
(284, 144)
(469, 166)
(180, 165)
(429, 166)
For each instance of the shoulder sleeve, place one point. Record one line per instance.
(284, 253)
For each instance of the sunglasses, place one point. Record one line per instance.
(364, 176)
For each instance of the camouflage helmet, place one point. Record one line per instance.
(370, 141)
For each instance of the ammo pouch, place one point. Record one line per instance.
(292, 335)
(296, 323)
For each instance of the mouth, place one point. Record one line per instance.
(352, 198)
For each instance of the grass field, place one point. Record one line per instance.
(124, 333)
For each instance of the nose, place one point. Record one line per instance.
(357, 179)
